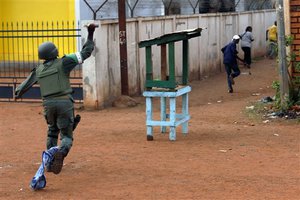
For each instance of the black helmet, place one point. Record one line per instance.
(47, 51)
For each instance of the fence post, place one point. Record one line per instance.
(283, 72)
(123, 47)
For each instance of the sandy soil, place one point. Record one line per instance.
(226, 154)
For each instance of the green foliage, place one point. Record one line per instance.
(297, 67)
(291, 58)
(295, 94)
(289, 39)
(294, 98)
(276, 87)
(296, 80)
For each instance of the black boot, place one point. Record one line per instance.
(57, 163)
(76, 121)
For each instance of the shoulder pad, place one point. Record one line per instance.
(72, 56)
(76, 57)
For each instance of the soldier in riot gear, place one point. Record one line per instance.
(53, 77)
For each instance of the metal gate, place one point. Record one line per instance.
(19, 54)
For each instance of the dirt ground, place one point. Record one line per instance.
(226, 154)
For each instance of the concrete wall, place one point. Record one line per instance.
(102, 72)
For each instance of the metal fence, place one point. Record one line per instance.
(19, 43)
(137, 8)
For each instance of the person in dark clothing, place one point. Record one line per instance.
(53, 77)
(230, 61)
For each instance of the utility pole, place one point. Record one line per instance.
(123, 47)
(283, 71)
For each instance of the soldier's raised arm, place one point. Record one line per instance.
(71, 60)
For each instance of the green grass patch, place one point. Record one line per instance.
(259, 111)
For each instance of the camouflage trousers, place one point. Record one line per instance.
(59, 114)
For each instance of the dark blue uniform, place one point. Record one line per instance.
(230, 62)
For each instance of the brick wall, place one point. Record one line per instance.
(295, 31)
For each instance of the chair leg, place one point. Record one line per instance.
(185, 112)
(149, 118)
(172, 135)
(163, 115)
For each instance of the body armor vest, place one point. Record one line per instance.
(52, 79)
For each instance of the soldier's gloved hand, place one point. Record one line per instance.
(91, 28)
(17, 94)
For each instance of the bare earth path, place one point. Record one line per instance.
(226, 155)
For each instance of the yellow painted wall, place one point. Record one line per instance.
(37, 10)
(26, 14)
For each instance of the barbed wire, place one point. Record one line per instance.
(143, 8)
